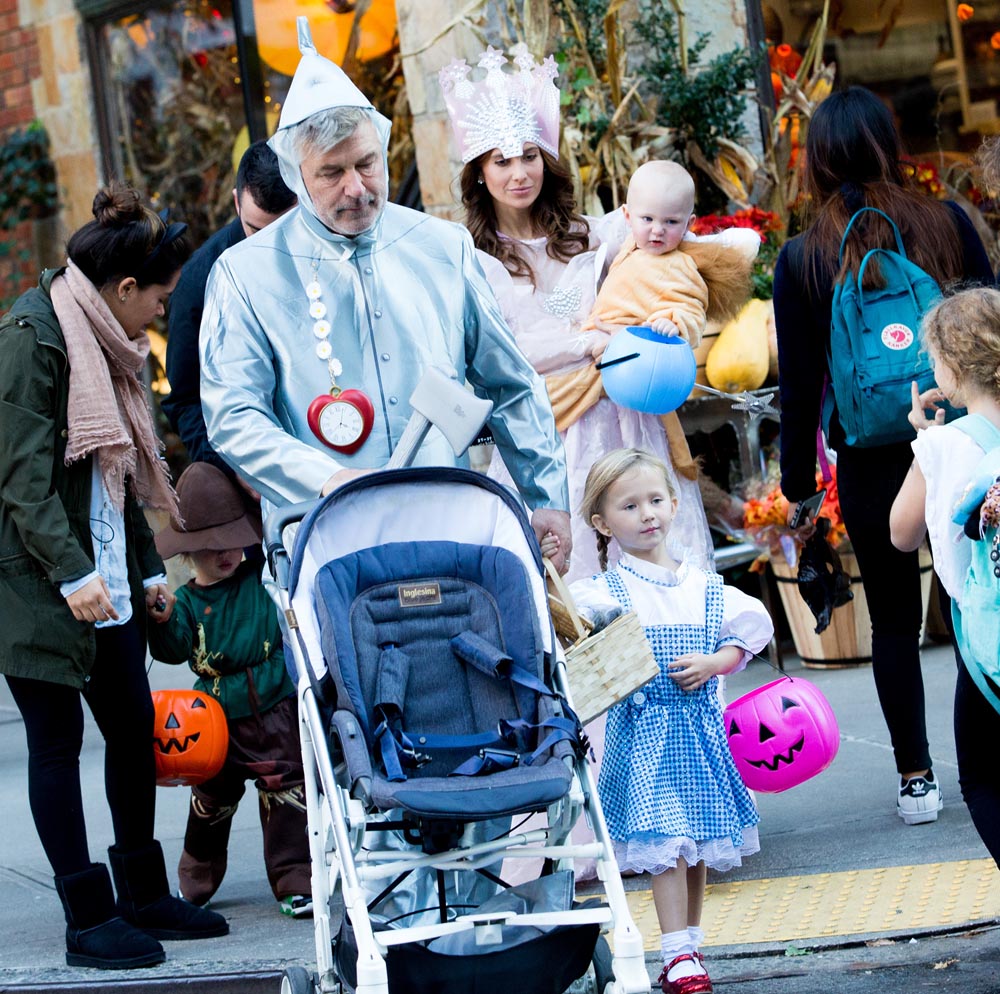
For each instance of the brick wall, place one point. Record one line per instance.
(64, 102)
(19, 65)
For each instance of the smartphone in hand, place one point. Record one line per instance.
(807, 509)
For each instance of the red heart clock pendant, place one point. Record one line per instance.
(342, 420)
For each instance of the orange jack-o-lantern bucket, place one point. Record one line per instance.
(190, 737)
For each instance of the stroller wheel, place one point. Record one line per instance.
(601, 962)
(297, 980)
(599, 974)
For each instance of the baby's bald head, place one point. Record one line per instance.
(660, 205)
(663, 178)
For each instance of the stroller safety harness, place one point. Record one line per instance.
(432, 666)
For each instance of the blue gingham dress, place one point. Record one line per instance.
(668, 783)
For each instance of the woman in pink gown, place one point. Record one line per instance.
(545, 311)
(545, 262)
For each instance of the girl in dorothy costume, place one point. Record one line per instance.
(674, 801)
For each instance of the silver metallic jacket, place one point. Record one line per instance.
(404, 295)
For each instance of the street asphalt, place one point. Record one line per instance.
(842, 820)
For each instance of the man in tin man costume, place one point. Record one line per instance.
(317, 329)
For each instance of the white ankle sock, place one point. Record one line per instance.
(697, 937)
(673, 944)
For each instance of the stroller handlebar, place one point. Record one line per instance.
(274, 526)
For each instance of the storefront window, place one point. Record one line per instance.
(177, 82)
(977, 45)
(174, 106)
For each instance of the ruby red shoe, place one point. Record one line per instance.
(698, 983)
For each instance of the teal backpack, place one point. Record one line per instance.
(875, 348)
(977, 623)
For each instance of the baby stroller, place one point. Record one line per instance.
(433, 711)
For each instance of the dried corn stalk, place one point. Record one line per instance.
(801, 95)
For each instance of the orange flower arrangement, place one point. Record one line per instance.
(765, 517)
(927, 178)
(783, 60)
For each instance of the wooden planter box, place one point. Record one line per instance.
(847, 640)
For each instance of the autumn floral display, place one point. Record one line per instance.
(753, 217)
(784, 61)
(767, 224)
(927, 178)
(765, 515)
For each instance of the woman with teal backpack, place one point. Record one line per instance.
(853, 161)
(962, 336)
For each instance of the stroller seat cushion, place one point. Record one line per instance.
(438, 642)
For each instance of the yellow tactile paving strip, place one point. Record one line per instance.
(825, 905)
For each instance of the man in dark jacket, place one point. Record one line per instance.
(260, 197)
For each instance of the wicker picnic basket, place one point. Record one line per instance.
(605, 668)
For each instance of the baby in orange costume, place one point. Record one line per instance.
(666, 283)
(651, 282)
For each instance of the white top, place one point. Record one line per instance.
(107, 530)
(947, 457)
(663, 597)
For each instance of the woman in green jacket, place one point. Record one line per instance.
(79, 571)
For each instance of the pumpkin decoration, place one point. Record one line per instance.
(331, 26)
(708, 339)
(781, 734)
(646, 371)
(772, 344)
(190, 737)
(739, 359)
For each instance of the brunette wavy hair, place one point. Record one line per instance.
(854, 160)
(553, 213)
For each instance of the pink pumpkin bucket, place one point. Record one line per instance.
(781, 734)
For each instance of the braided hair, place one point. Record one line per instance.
(607, 471)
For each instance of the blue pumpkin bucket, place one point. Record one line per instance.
(646, 371)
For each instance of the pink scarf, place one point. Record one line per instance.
(108, 412)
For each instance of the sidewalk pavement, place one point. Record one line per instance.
(837, 868)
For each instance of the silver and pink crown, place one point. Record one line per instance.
(504, 110)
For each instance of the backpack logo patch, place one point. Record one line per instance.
(897, 336)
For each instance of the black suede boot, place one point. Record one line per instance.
(96, 935)
(144, 898)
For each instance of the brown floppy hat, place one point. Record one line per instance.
(214, 515)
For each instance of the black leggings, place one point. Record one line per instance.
(977, 731)
(117, 694)
(868, 481)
